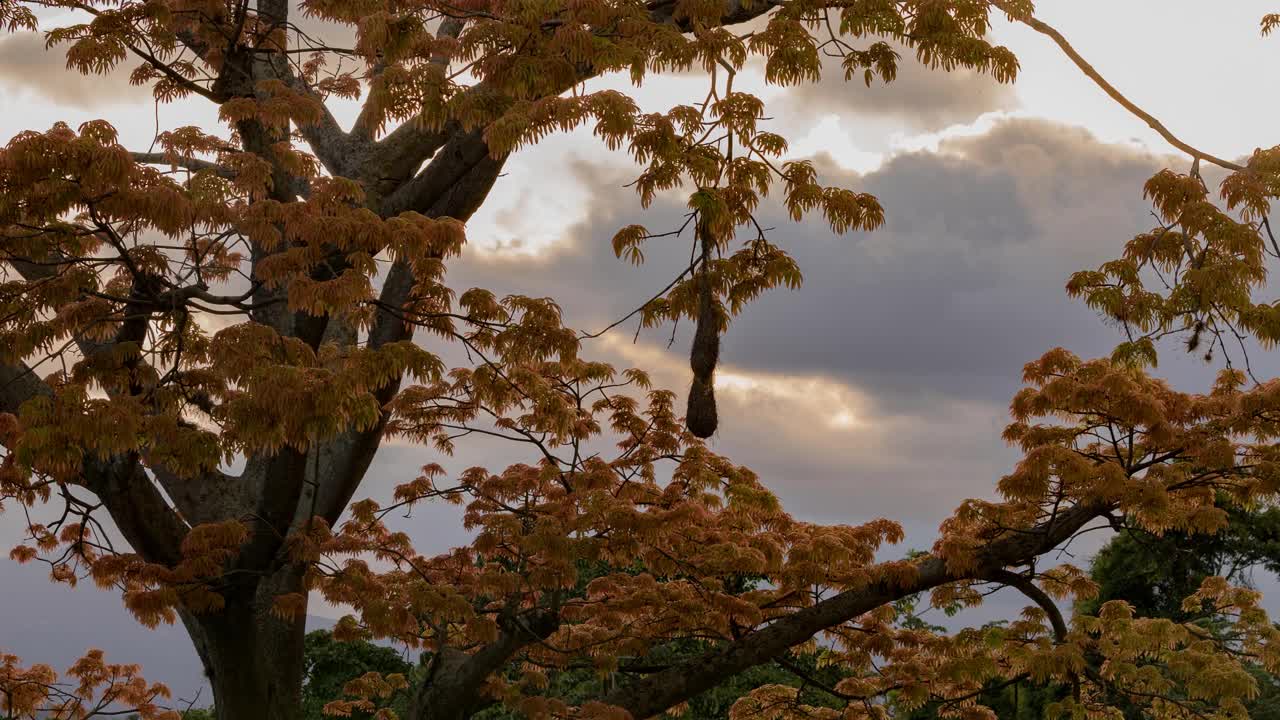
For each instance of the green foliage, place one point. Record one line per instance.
(330, 664)
(1155, 573)
(580, 684)
(1022, 700)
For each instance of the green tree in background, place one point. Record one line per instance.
(803, 670)
(330, 664)
(1154, 574)
(799, 669)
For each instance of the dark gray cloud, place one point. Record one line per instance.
(929, 319)
(959, 289)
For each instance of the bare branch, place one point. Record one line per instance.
(189, 163)
(1024, 585)
(1045, 29)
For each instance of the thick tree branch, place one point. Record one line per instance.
(341, 153)
(188, 163)
(447, 168)
(35, 270)
(204, 499)
(347, 457)
(656, 693)
(398, 155)
(396, 158)
(1024, 585)
(453, 185)
(18, 384)
(138, 509)
(151, 527)
(209, 497)
(452, 689)
(275, 484)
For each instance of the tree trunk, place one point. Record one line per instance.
(252, 657)
(450, 691)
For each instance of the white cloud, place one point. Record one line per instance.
(1194, 65)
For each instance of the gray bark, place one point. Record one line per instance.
(252, 658)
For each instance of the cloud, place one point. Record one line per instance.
(26, 64)
(919, 98)
(915, 333)
(834, 451)
(963, 284)
(881, 387)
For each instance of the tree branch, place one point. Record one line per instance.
(138, 509)
(459, 156)
(189, 163)
(18, 384)
(341, 153)
(452, 690)
(1024, 585)
(1164, 132)
(654, 694)
(398, 155)
(350, 455)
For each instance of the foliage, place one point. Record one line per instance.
(34, 692)
(579, 685)
(331, 664)
(1154, 573)
(271, 294)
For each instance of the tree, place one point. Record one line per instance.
(330, 665)
(1153, 575)
(321, 251)
(806, 671)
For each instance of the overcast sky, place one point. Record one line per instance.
(881, 387)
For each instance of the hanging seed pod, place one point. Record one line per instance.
(700, 416)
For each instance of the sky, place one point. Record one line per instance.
(881, 387)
